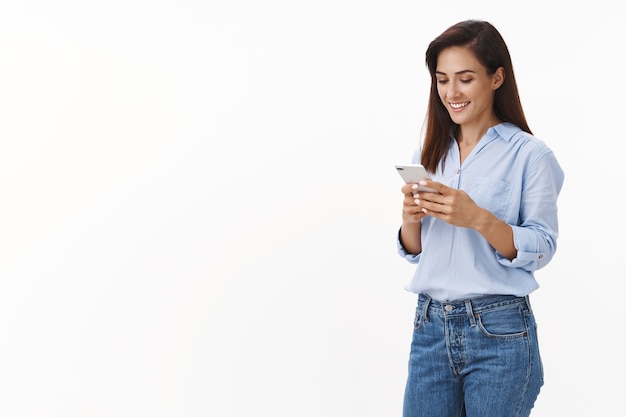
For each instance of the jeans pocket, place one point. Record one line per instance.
(504, 322)
(418, 322)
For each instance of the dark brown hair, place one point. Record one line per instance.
(486, 43)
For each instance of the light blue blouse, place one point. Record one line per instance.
(515, 176)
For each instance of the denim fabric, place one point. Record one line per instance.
(475, 358)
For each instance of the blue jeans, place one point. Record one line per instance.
(474, 358)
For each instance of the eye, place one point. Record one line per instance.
(467, 81)
(442, 81)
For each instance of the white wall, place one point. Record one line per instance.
(199, 204)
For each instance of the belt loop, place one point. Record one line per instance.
(470, 312)
(425, 308)
(527, 298)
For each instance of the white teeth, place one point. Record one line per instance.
(458, 105)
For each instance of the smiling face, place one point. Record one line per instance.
(465, 88)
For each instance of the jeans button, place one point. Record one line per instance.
(448, 307)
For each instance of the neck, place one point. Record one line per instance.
(471, 135)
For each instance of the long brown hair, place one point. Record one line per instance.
(486, 43)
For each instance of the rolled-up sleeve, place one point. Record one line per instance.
(536, 235)
(412, 258)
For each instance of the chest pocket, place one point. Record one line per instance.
(491, 194)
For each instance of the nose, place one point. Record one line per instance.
(453, 90)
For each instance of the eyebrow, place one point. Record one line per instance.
(457, 73)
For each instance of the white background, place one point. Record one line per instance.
(199, 206)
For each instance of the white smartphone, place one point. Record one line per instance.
(413, 174)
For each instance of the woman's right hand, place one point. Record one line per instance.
(412, 215)
(411, 212)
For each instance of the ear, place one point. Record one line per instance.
(497, 78)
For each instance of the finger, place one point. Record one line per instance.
(432, 207)
(408, 189)
(434, 185)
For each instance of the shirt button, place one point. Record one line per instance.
(541, 256)
(448, 307)
(458, 171)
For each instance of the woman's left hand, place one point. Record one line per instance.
(450, 205)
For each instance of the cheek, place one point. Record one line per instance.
(442, 94)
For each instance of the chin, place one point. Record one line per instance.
(456, 119)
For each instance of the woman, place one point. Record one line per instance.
(479, 239)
